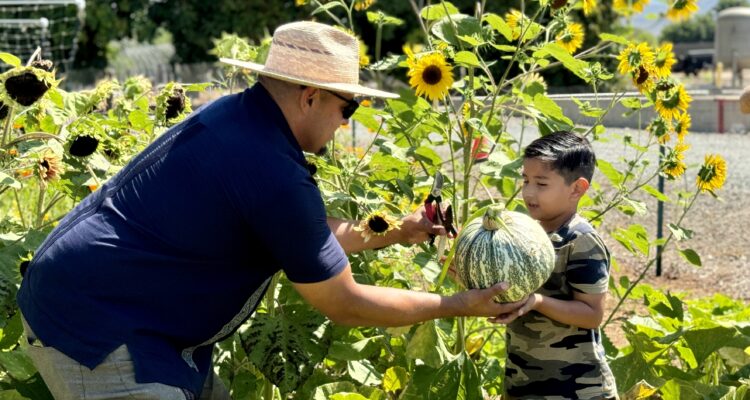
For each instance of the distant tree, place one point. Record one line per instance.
(700, 28)
(723, 4)
(106, 21)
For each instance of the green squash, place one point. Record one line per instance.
(504, 246)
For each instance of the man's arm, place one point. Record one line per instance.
(347, 302)
(584, 311)
(415, 228)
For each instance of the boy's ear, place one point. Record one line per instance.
(580, 186)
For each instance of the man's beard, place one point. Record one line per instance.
(323, 150)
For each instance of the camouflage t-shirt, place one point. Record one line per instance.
(551, 360)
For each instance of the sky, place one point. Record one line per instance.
(650, 23)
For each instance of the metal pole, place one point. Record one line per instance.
(659, 215)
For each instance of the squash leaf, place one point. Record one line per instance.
(287, 346)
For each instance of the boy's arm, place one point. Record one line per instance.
(584, 311)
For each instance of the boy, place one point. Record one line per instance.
(553, 341)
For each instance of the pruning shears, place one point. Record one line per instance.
(434, 210)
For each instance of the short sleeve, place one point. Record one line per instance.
(587, 269)
(291, 224)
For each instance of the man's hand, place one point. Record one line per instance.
(481, 303)
(417, 228)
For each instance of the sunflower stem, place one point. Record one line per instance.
(8, 124)
(40, 204)
(20, 209)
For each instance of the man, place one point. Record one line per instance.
(128, 294)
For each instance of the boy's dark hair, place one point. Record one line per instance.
(567, 153)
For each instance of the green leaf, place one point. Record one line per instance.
(11, 332)
(470, 40)
(17, 364)
(448, 29)
(498, 23)
(506, 48)
(7, 180)
(467, 59)
(140, 120)
(353, 351)
(656, 193)
(549, 108)
(691, 256)
(574, 65)
(679, 232)
(327, 7)
(635, 237)
(10, 59)
(364, 372)
(458, 379)
(395, 379)
(427, 345)
(287, 347)
(379, 17)
(632, 103)
(437, 11)
(614, 176)
(197, 87)
(324, 392)
(347, 396)
(608, 37)
(419, 385)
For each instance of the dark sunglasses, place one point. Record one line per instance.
(351, 105)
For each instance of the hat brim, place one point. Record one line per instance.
(338, 87)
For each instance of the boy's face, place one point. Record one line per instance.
(548, 198)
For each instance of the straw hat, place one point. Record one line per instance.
(313, 54)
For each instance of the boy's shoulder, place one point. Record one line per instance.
(575, 228)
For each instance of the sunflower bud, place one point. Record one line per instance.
(83, 146)
(45, 65)
(175, 103)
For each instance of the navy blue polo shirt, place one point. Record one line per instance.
(175, 251)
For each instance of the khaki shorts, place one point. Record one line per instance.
(114, 378)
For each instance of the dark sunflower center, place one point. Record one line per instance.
(175, 104)
(377, 224)
(642, 75)
(83, 146)
(432, 75)
(44, 164)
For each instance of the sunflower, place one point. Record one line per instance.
(23, 86)
(532, 78)
(643, 79)
(377, 224)
(713, 173)
(516, 20)
(682, 10)
(660, 129)
(50, 167)
(589, 6)
(83, 145)
(635, 56)
(682, 124)
(361, 5)
(664, 60)
(628, 7)
(571, 38)
(674, 168)
(669, 103)
(300, 3)
(430, 75)
(674, 164)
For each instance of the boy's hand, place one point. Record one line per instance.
(481, 303)
(528, 304)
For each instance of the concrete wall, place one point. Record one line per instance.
(709, 112)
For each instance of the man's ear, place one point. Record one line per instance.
(307, 97)
(580, 186)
